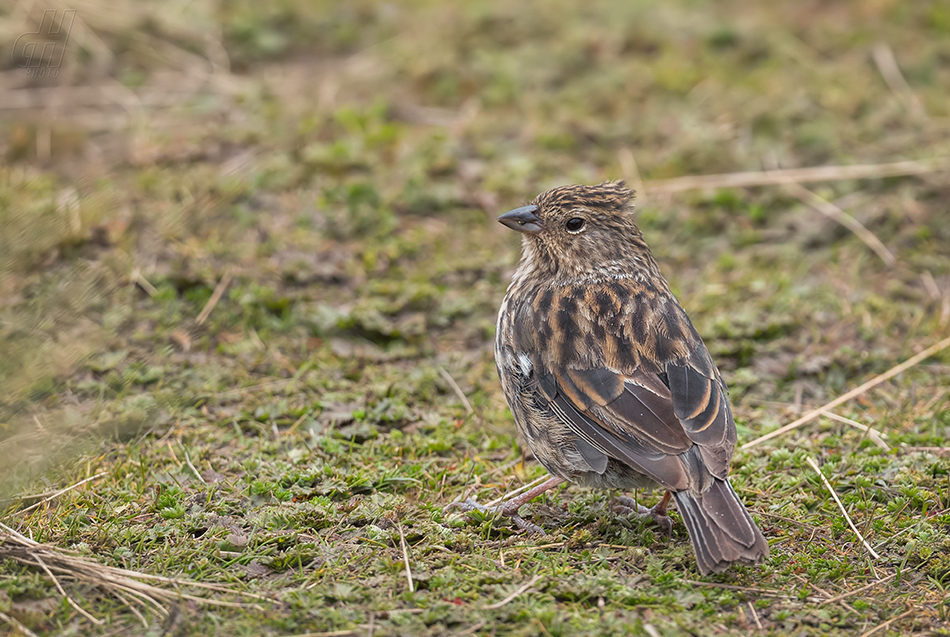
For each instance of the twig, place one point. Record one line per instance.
(835, 213)
(215, 297)
(17, 625)
(405, 557)
(838, 598)
(59, 587)
(518, 591)
(888, 622)
(798, 175)
(877, 380)
(458, 390)
(61, 492)
(891, 72)
(814, 465)
(875, 435)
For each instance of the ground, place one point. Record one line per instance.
(249, 272)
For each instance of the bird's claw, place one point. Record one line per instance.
(625, 506)
(499, 509)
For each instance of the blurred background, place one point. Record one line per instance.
(224, 222)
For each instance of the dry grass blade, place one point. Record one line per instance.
(61, 492)
(215, 297)
(755, 616)
(458, 390)
(891, 72)
(889, 622)
(934, 450)
(876, 436)
(17, 625)
(877, 380)
(838, 598)
(191, 466)
(518, 591)
(762, 592)
(835, 213)
(170, 580)
(471, 630)
(59, 587)
(797, 175)
(629, 169)
(814, 465)
(115, 581)
(520, 490)
(405, 557)
(139, 279)
(132, 608)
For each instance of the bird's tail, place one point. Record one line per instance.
(720, 527)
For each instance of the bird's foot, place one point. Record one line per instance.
(625, 505)
(508, 509)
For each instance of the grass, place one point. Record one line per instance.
(339, 167)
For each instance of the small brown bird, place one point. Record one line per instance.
(606, 377)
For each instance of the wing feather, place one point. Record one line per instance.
(647, 413)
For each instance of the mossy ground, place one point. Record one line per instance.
(341, 165)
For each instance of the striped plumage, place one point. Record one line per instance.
(606, 377)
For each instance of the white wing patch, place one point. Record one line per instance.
(525, 364)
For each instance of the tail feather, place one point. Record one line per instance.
(720, 527)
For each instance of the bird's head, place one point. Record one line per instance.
(580, 230)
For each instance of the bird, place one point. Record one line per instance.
(607, 379)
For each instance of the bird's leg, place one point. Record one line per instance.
(657, 513)
(510, 508)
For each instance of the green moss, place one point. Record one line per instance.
(346, 184)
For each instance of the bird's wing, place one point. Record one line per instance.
(633, 423)
(661, 417)
(700, 404)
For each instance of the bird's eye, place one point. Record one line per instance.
(574, 224)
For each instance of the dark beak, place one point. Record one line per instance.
(522, 219)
